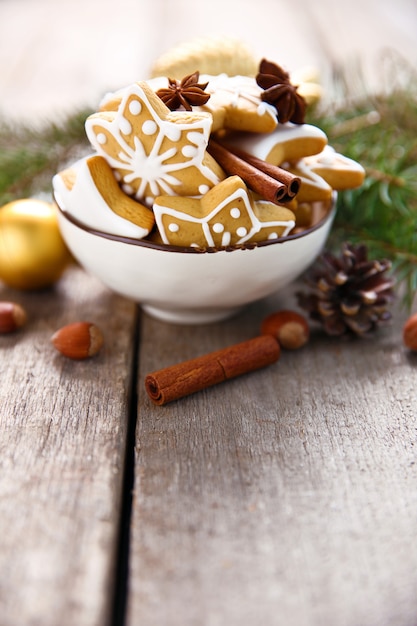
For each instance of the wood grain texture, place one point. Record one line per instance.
(285, 497)
(62, 450)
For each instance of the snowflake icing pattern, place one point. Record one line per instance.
(152, 150)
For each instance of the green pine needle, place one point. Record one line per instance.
(380, 133)
(30, 157)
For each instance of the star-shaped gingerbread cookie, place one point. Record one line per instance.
(153, 150)
(287, 143)
(227, 215)
(325, 172)
(339, 171)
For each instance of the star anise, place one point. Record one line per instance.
(187, 93)
(281, 93)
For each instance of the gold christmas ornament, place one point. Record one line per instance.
(33, 254)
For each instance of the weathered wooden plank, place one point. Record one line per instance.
(62, 448)
(285, 497)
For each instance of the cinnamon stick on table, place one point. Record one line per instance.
(183, 379)
(270, 181)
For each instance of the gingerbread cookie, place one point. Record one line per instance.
(152, 150)
(90, 188)
(337, 170)
(226, 215)
(323, 173)
(210, 55)
(287, 143)
(237, 101)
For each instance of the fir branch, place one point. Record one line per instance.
(379, 132)
(29, 157)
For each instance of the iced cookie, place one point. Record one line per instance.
(337, 170)
(90, 188)
(323, 173)
(288, 143)
(152, 150)
(236, 104)
(227, 215)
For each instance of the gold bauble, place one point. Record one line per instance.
(33, 254)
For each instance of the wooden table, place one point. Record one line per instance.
(286, 497)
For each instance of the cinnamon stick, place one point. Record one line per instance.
(291, 181)
(183, 379)
(263, 184)
(270, 181)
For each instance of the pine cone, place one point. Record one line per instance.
(351, 294)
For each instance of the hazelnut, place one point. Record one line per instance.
(12, 317)
(288, 327)
(79, 340)
(410, 332)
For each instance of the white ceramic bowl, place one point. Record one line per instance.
(187, 286)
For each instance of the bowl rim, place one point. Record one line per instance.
(145, 243)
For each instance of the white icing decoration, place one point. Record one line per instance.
(287, 226)
(125, 126)
(196, 138)
(127, 189)
(327, 160)
(331, 159)
(235, 213)
(262, 108)
(173, 132)
(153, 173)
(149, 127)
(135, 107)
(102, 138)
(189, 151)
(173, 228)
(226, 238)
(203, 189)
(218, 227)
(241, 231)
(273, 236)
(306, 173)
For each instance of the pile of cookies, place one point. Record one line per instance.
(203, 159)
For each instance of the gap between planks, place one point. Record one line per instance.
(121, 578)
